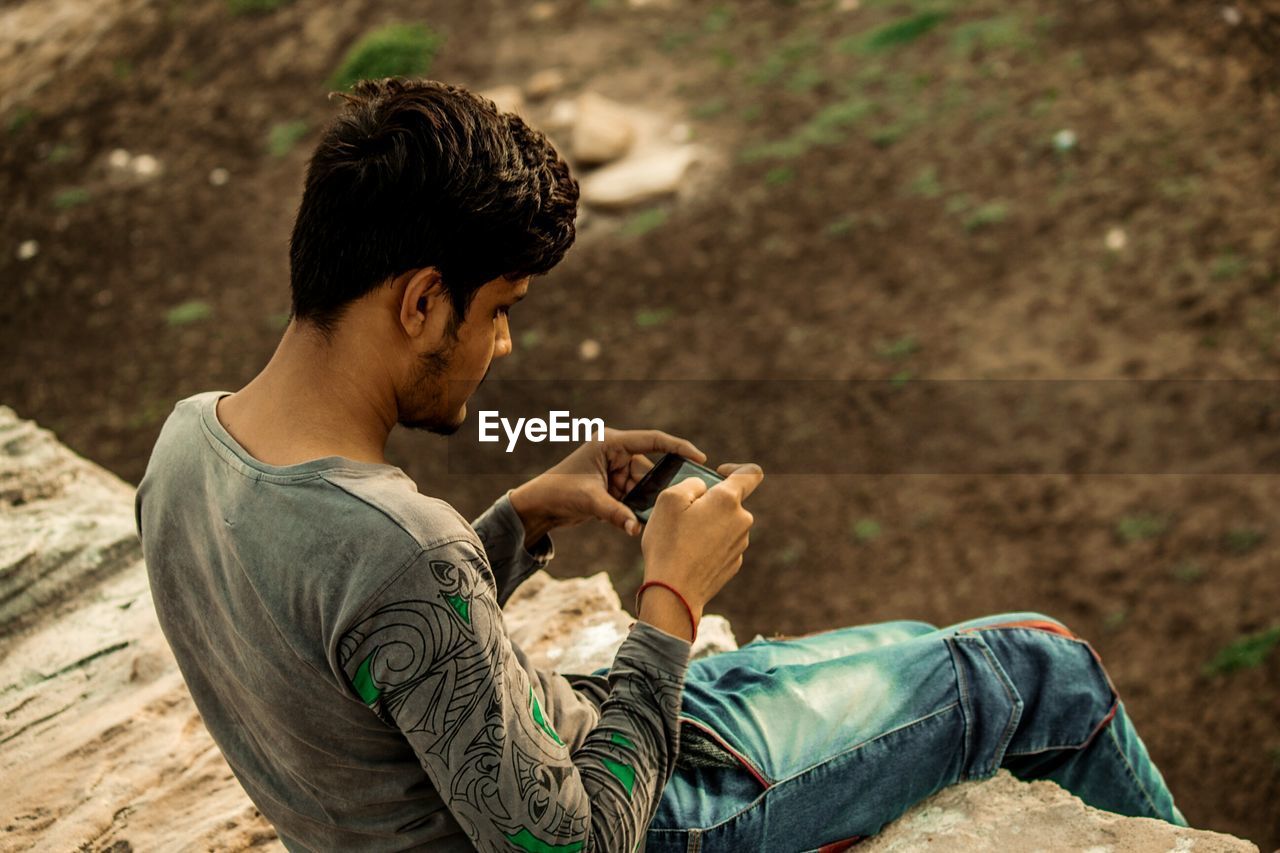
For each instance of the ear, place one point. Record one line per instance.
(425, 307)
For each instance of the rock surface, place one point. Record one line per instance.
(976, 816)
(102, 749)
(603, 130)
(658, 172)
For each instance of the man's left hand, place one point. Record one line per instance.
(591, 480)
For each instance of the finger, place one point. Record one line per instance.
(684, 492)
(743, 481)
(616, 513)
(728, 468)
(657, 441)
(640, 465)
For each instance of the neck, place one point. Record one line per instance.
(317, 399)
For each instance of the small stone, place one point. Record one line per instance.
(603, 131)
(28, 249)
(563, 114)
(119, 159)
(656, 173)
(1116, 239)
(544, 84)
(1064, 140)
(219, 177)
(542, 11)
(1231, 15)
(589, 350)
(146, 166)
(103, 298)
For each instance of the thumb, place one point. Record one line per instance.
(607, 508)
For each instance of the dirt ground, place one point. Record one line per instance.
(1028, 190)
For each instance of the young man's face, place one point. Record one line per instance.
(444, 378)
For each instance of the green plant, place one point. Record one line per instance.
(1247, 652)
(1242, 540)
(284, 135)
(1004, 31)
(926, 183)
(825, 127)
(841, 225)
(894, 34)
(394, 50)
(711, 108)
(61, 152)
(647, 318)
(866, 530)
(898, 349)
(1188, 571)
(191, 311)
(255, 7)
(72, 197)
(1115, 619)
(991, 213)
(1141, 527)
(805, 79)
(718, 19)
(21, 117)
(644, 221)
(1228, 265)
(780, 175)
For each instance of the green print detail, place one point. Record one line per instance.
(363, 682)
(625, 772)
(621, 740)
(526, 840)
(536, 710)
(461, 605)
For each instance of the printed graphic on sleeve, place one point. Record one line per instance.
(441, 668)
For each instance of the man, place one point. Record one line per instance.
(342, 636)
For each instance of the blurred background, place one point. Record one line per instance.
(846, 189)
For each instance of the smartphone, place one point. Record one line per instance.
(669, 470)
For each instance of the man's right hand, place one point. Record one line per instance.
(695, 540)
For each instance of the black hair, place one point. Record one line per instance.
(419, 173)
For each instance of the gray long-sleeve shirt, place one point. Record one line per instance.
(342, 637)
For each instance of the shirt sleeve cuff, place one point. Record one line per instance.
(542, 551)
(655, 646)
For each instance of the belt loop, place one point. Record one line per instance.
(695, 841)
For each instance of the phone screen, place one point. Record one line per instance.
(668, 471)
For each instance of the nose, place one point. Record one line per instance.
(502, 346)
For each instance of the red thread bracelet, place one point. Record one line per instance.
(647, 584)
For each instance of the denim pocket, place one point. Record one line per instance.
(991, 704)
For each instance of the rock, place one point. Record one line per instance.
(219, 176)
(111, 753)
(603, 130)
(28, 249)
(637, 179)
(544, 84)
(576, 625)
(1003, 813)
(508, 99)
(563, 114)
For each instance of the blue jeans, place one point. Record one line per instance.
(839, 732)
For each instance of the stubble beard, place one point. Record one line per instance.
(430, 394)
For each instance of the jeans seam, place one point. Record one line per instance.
(815, 766)
(1132, 773)
(966, 705)
(1014, 718)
